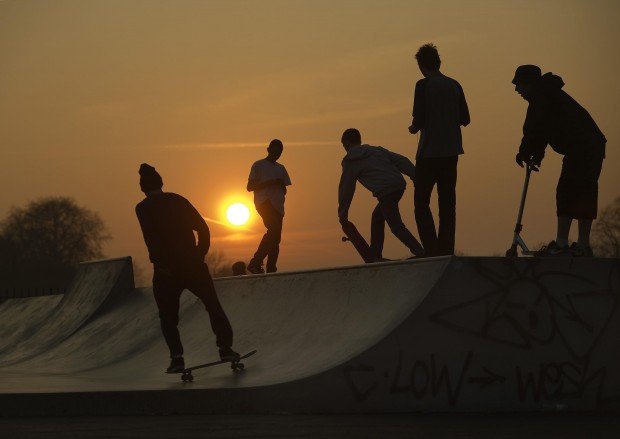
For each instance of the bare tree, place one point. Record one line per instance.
(139, 274)
(606, 231)
(218, 263)
(47, 237)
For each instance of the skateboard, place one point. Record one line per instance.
(186, 375)
(358, 241)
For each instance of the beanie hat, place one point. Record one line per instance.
(150, 180)
(526, 74)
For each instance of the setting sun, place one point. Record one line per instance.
(238, 214)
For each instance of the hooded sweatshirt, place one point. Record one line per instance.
(376, 168)
(555, 118)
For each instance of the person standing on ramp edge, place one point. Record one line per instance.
(168, 222)
(380, 171)
(555, 118)
(439, 111)
(268, 180)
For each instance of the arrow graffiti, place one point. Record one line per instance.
(487, 380)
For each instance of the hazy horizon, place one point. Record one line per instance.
(89, 90)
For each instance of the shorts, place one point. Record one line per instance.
(577, 190)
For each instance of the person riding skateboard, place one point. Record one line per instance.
(555, 118)
(380, 171)
(168, 222)
(439, 111)
(268, 180)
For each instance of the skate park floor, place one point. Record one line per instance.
(510, 426)
(442, 335)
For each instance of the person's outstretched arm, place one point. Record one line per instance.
(286, 180)
(419, 107)
(254, 186)
(404, 165)
(463, 108)
(535, 133)
(200, 226)
(151, 237)
(346, 190)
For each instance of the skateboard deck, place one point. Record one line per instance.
(358, 241)
(186, 375)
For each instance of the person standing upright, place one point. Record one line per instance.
(439, 111)
(268, 180)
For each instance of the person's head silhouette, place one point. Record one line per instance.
(525, 76)
(274, 150)
(239, 268)
(150, 180)
(428, 59)
(351, 137)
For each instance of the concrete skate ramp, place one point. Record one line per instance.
(34, 326)
(442, 334)
(19, 317)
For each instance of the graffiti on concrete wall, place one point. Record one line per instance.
(524, 309)
(527, 306)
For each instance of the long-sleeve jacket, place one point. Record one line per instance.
(168, 222)
(376, 168)
(555, 118)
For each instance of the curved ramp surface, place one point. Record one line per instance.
(19, 318)
(95, 288)
(441, 334)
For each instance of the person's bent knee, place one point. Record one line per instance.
(397, 227)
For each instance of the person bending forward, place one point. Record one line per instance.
(168, 222)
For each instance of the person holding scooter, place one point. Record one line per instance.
(554, 118)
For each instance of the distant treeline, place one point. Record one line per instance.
(41, 244)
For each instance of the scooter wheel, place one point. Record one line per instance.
(511, 253)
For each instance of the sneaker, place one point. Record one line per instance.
(271, 269)
(227, 354)
(177, 365)
(581, 251)
(255, 267)
(553, 249)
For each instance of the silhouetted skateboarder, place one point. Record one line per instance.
(555, 118)
(380, 171)
(168, 222)
(439, 111)
(268, 180)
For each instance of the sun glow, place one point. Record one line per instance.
(237, 214)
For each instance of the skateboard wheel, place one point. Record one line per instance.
(187, 377)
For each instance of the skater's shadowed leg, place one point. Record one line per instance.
(377, 232)
(389, 208)
(446, 191)
(200, 283)
(167, 292)
(424, 181)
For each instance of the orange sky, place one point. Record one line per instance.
(90, 89)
